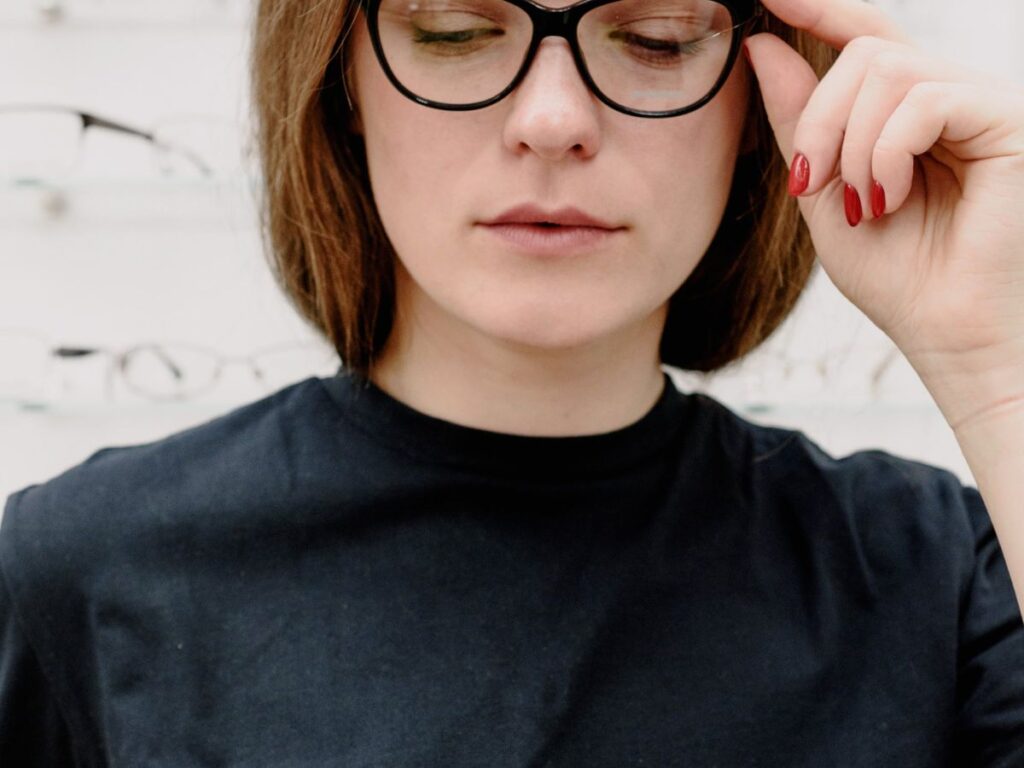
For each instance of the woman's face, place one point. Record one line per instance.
(436, 175)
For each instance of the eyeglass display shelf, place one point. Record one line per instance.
(131, 185)
(226, 199)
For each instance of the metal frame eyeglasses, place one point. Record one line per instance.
(564, 23)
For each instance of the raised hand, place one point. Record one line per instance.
(910, 175)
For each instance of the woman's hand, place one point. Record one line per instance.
(941, 271)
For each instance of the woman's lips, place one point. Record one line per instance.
(547, 239)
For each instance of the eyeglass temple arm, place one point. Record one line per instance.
(89, 119)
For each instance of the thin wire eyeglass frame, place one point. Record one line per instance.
(564, 23)
(321, 358)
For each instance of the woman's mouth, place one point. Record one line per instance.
(545, 238)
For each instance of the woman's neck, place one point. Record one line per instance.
(444, 369)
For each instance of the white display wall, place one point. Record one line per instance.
(122, 253)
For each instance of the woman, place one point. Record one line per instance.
(500, 535)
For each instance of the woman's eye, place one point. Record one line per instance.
(453, 37)
(662, 49)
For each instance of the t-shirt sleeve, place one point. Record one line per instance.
(990, 675)
(33, 733)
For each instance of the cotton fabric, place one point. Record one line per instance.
(328, 577)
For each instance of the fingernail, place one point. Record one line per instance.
(799, 175)
(853, 210)
(877, 200)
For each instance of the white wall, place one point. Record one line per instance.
(119, 256)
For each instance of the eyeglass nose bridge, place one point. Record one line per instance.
(553, 23)
(558, 24)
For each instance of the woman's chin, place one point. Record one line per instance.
(553, 331)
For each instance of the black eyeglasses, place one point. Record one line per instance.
(647, 58)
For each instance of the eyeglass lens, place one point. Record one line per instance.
(59, 132)
(649, 55)
(176, 371)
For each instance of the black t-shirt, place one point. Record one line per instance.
(327, 577)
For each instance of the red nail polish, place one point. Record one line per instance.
(853, 209)
(877, 200)
(799, 175)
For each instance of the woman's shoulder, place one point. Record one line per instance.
(879, 501)
(787, 453)
(122, 495)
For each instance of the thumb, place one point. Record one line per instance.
(786, 81)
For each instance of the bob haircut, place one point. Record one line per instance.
(329, 253)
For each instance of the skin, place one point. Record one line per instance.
(491, 338)
(939, 266)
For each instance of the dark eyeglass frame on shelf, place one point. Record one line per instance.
(563, 23)
(92, 120)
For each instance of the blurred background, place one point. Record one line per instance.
(131, 269)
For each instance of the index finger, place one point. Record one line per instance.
(837, 22)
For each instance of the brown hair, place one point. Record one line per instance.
(327, 247)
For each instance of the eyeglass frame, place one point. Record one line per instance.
(564, 23)
(91, 120)
(119, 360)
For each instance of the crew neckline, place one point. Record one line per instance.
(391, 422)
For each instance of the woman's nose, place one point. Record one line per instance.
(552, 109)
